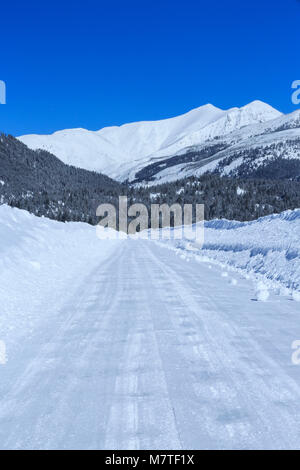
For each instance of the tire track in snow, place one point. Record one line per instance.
(253, 398)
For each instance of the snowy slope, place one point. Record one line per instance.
(282, 132)
(283, 144)
(232, 120)
(267, 249)
(117, 151)
(38, 257)
(122, 345)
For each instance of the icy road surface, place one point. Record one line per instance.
(154, 352)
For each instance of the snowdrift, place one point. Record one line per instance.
(41, 264)
(267, 249)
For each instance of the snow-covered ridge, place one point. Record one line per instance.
(224, 224)
(117, 151)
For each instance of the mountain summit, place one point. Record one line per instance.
(117, 151)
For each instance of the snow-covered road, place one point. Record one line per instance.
(154, 352)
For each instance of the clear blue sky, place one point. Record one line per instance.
(97, 63)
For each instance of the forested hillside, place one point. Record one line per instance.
(42, 184)
(39, 182)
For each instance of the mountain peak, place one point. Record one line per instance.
(263, 109)
(117, 150)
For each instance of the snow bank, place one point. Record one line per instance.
(41, 264)
(267, 249)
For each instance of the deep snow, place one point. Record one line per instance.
(42, 262)
(267, 249)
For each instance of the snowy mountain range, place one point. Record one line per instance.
(235, 141)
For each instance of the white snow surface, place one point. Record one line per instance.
(37, 256)
(267, 248)
(126, 345)
(119, 151)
